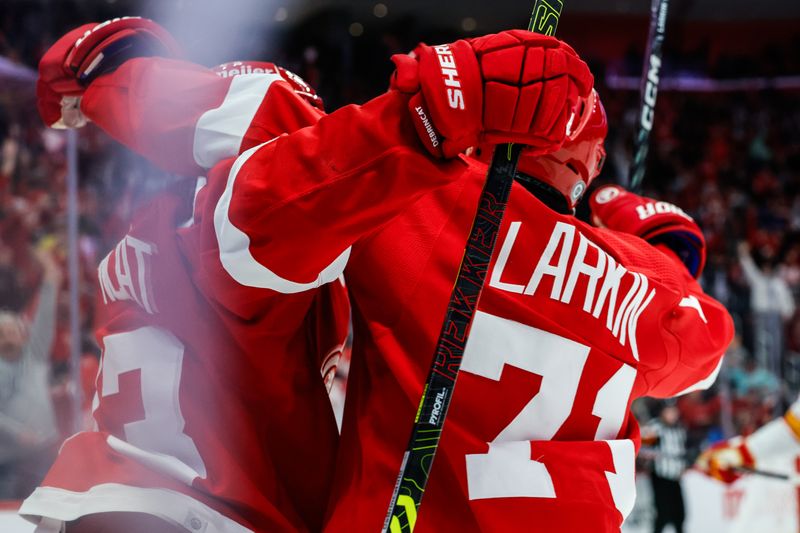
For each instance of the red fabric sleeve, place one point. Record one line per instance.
(284, 216)
(185, 119)
(684, 347)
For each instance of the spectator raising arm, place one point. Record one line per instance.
(43, 325)
(28, 433)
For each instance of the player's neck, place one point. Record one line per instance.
(545, 193)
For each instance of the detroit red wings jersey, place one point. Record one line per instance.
(574, 324)
(207, 415)
(202, 417)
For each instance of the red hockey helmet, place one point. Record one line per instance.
(237, 68)
(572, 168)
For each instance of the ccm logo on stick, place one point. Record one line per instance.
(651, 92)
(455, 97)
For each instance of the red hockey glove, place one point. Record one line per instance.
(721, 460)
(58, 92)
(87, 52)
(656, 222)
(515, 86)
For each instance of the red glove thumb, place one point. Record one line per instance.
(55, 80)
(406, 75)
(447, 108)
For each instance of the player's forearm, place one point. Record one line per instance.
(185, 118)
(304, 199)
(43, 327)
(151, 105)
(749, 268)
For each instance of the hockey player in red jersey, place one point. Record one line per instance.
(574, 324)
(244, 302)
(207, 418)
(546, 440)
(575, 321)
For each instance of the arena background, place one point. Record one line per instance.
(725, 147)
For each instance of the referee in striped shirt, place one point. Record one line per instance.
(667, 436)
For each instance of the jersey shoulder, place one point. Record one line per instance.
(639, 255)
(145, 271)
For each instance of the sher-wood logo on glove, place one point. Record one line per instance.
(512, 87)
(450, 73)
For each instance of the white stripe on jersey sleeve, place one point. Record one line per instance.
(704, 383)
(219, 132)
(234, 247)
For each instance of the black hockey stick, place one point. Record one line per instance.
(438, 391)
(791, 478)
(649, 91)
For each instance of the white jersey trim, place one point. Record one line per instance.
(623, 482)
(234, 247)
(219, 132)
(202, 181)
(172, 507)
(705, 383)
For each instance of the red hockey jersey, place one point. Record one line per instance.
(574, 324)
(206, 415)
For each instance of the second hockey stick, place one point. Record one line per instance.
(432, 412)
(651, 76)
(790, 478)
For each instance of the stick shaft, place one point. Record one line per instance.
(438, 392)
(792, 478)
(649, 91)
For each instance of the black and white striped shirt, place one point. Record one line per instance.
(670, 460)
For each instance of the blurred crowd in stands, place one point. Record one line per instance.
(732, 160)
